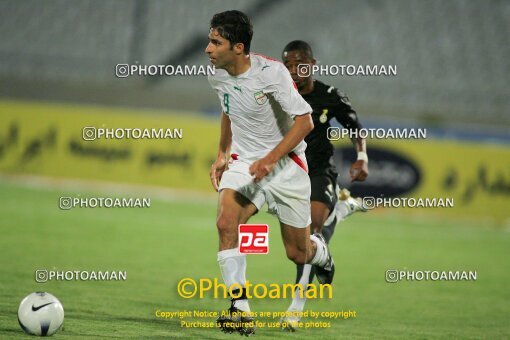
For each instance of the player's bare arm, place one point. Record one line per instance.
(221, 162)
(301, 128)
(359, 169)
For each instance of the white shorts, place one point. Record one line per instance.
(286, 190)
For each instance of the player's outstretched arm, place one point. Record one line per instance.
(302, 126)
(359, 169)
(346, 116)
(220, 164)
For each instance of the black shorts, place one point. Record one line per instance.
(324, 190)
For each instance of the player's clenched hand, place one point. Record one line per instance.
(261, 168)
(359, 170)
(217, 169)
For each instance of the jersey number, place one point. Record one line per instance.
(226, 101)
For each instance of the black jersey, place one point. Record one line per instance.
(327, 103)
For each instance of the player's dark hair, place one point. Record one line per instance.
(235, 26)
(299, 45)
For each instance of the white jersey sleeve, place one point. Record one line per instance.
(284, 91)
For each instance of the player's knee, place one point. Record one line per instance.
(296, 255)
(225, 224)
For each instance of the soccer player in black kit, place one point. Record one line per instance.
(326, 208)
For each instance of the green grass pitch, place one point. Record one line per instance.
(174, 239)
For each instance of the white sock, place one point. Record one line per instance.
(321, 254)
(242, 305)
(298, 302)
(343, 210)
(340, 212)
(233, 270)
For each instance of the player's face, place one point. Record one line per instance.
(219, 51)
(291, 60)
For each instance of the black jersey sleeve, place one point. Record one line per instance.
(344, 113)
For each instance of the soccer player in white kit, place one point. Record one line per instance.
(264, 121)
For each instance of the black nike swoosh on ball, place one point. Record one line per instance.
(35, 309)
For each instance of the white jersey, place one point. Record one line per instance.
(261, 104)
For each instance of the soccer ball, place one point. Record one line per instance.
(40, 314)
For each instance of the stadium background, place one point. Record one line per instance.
(57, 75)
